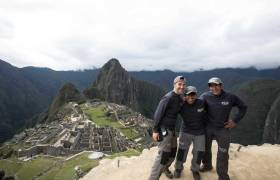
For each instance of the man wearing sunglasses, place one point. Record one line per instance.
(192, 131)
(165, 119)
(218, 106)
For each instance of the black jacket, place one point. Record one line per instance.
(167, 111)
(219, 108)
(194, 117)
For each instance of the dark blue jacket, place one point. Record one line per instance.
(167, 111)
(219, 108)
(194, 117)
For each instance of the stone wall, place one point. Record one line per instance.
(46, 150)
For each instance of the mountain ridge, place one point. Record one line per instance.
(30, 90)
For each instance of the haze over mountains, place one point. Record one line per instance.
(26, 92)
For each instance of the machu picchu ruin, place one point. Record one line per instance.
(76, 131)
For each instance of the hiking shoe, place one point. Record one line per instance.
(168, 174)
(177, 173)
(205, 168)
(196, 175)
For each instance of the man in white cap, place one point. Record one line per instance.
(219, 105)
(192, 131)
(165, 119)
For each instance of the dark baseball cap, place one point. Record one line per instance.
(190, 89)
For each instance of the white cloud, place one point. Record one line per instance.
(180, 35)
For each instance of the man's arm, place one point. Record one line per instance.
(242, 109)
(203, 97)
(205, 115)
(205, 106)
(159, 113)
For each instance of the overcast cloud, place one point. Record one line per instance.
(181, 35)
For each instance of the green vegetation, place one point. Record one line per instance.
(52, 168)
(5, 150)
(55, 168)
(10, 166)
(128, 153)
(259, 95)
(35, 166)
(130, 133)
(48, 168)
(8, 151)
(26, 170)
(66, 171)
(98, 116)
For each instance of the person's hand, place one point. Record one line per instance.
(230, 124)
(155, 136)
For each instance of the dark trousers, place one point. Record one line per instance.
(166, 155)
(222, 137)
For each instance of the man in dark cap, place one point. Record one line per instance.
(192, 131)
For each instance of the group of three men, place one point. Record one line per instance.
(204, 119)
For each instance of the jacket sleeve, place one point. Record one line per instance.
(205, 115)
(242, 108)
(202, 96)
(159, 113)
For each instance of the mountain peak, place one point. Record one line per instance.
(112, 71)
(114, 84)
(112, 64)
(113, 81)
(113, 61)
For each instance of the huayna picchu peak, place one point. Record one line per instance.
(114, 84)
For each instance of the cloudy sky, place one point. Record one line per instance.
(181, 35)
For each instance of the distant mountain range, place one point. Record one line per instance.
(232, 77)
(26, 92)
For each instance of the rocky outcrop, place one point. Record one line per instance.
(68, 93)
(252, 162)
(272, 124)
(114, 84)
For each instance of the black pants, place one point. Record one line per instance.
(222, 137)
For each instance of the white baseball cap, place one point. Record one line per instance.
(179, 78)
(215, 80)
